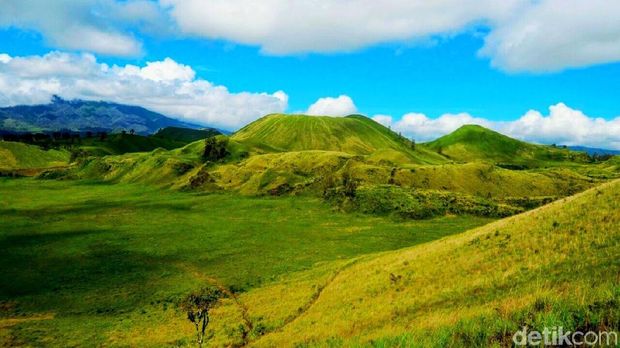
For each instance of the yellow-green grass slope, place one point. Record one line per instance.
(15, 155)
(558, 265)
(475, 143)
(355, 134)
(316, 170)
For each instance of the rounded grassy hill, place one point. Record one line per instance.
(354, 134)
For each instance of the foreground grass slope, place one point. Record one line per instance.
(17, 155)
(554, 266)
(98, 264)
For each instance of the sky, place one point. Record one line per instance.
(545, 71)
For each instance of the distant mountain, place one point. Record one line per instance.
(594, 151)
(476, 143)
(81, 115)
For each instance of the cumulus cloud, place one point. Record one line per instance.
(165, 86)
(521, 35)
(423, 128)
(328, 106)
(99, 26)
(563, 125)
(283, 26)
(524, 35)
(552, 35)
(385, 120)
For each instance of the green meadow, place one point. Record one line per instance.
(91, 255)
(316, 231)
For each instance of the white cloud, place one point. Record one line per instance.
(166, 70)
(99, 26)
(165, 86)
(4, 58)
(555, 34)
(328, 106)
(522, 35)
(298, 26)
(423, 128)
(563, 125)
(385, 120)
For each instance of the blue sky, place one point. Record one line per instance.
(423, 70)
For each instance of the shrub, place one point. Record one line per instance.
(215, 149)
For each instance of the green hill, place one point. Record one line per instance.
(554, 266)
(23, 156)
(116, 144)
(476, 143)
(186, 135)
(355, 134)
(282, 154)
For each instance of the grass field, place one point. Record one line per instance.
(88, 261)
(322, 231)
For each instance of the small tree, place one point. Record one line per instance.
(197, 306)
(215, 149)
(412, 144)
(349, 185)
(132, 131)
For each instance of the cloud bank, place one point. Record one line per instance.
(519, 35)
(164, 86)
(98, 26)
(523, 35)
(562, 125)
(551, 35)
(298, 26)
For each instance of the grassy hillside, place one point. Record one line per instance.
(116, 144)
(99, 264)
(555, 266)
(22, 156)
(185, 135)
(357, 135)
(315, 171)
(475, 143)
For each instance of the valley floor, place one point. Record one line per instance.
(105, 264)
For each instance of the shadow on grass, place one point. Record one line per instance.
(91, 206)
(74, 271)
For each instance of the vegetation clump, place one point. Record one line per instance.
(215, 149)
(416, 203)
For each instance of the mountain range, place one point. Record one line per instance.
(81, 116)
